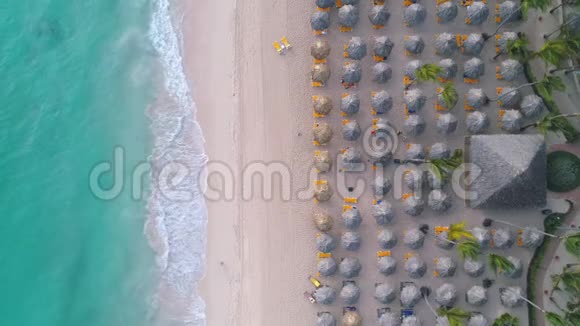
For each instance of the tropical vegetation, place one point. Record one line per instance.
(572, 244)
(500, 264)
(443, 167)
(506, 320)
(456, 316)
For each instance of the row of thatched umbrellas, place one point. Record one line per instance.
(415, 14)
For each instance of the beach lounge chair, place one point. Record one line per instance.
(383, 253)
(285, 42)
(497, 48)
(440, 229)
(498, 75)
(278, 48)
(520, 239)
(498, 91)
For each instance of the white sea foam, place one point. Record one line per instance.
(176, 228)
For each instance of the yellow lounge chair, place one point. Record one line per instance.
(376, 58)
(278, 47)
(439, 229)
(287, 44)
(384, 253)
(408, 255)
(498, 91)
(351, 200)
(498, 75)
(470, 81)
(315, 282)
(345, 29)
(377, 27)
(407, 81)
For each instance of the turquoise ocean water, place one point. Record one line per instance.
(77, 79)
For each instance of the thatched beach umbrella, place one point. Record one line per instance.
(381, 101)
(446, 123)
(473, 44)
(509, 97)
(410, 295)
(509, 11)
(476, 98)
(412, 67)
(351, 130)
(355, 48)
(379, 15)
(325, 4)
(415, 152)
(387, 265)
(411, 321)
(511, 121)
(383, 212)
(511, 296)
(351, 218)
(320, 49)
(351, 318)
(473, 268)
(414, 14)
(325, 319)
(446, 12)
(439, 201)
(473, 68)
(327, 266)
(382, 72)
(439, 150)
(323, 221)
(322, 133)
(322, 161)
(350, 240)
(390, 319)
(477, 13)
(383, 46)
(350, 104)
(325, 243)
(532, 106)
(320, 20)
(325, 295)
(448, 68)
(320, 73)
(414, 100)
(352, 72)
(476, 295)
(414, 44)
(477, 122)
(381, 186)
(414, 125)
(415, 267)
(350, 293)
(516, 272)
(413, 206)
(413, 238)
(322, 104)
(350, 2)
(482, 236)
(348, 15)
(446, 294)
(477, 319)
(441, 240)
(349, 267)
(322, 192)
(414, 179)
(445, 44)
(385, 293)
(387, 239)
(503, 238)
(445, 266)
(531, 237)
(504, 39)
(511, 69)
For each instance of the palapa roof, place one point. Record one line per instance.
(325, 319)
(390, 319)
(351, 318)
(350, 293)
(511, 69)
(412, 67)
(350, 104)
(509, 97)
(322, 221)
(446, 12)
(413, 238)
(414, 44)
(473, 44)
(410, 295)
(325, 3)
(414, 99)
(387, 265)
(320, 73)
(385, 293)
(325, 295)
(383, 46)
(322, 192)
(477, 320)
(348, 15)
(322, 104)
(511, 121)
(477, 13)
(351, 130)
(350, 2)
(356, 48)
(513, 170)
(411, 321)
(439, 150)
(415, 152)
(445, 44)
(531, 237)
(320, 49)
(532, 106)
(439, 201)
(445, 266)
(383, 212)
(351, 218)
(414, 178)
(349, 267)
(477, 122)
(511, 296)
(351, 155)
(473, 68)
(379, 15)
(386, 238)
(320, 20)
(322, 161)
(325, 243)
(352, 72)
(446, 294)
(414, 14)
(322, 133)
(327, 266)
(414, 125)
(476, 295)
(473, 268)
(446, 123)
(503, 238)
(482, 236)
(382, 72)
(476, 98)
(448, 68)
(441, 240)
(509, 11)
(381, 185)
(350, 240)
(382, 101)
(415, 267)
(504, 39)
(434, 181)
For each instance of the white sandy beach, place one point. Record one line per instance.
(254, 105)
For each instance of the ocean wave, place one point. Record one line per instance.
(176, 227)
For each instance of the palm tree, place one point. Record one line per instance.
(441, 168)
(457, 231)
(525, 5)
(455, 316)
(518, 49)
(506, 320)
(549, 83)
(555, 123)
(557, 50)
(556, 320)
(449, 94)
(572, 245)
(500, 264)
(425, 73)
(469, 249)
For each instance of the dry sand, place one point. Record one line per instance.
(254, 105)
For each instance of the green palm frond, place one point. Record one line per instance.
(500, 264)
(457, 231)
(456, 316)
(441, 168)
(518, 49)
(572, 245)
(469, 249)
(428, 72)
(555, 51)
(449, 95)
(555, 320)
(506, 320)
